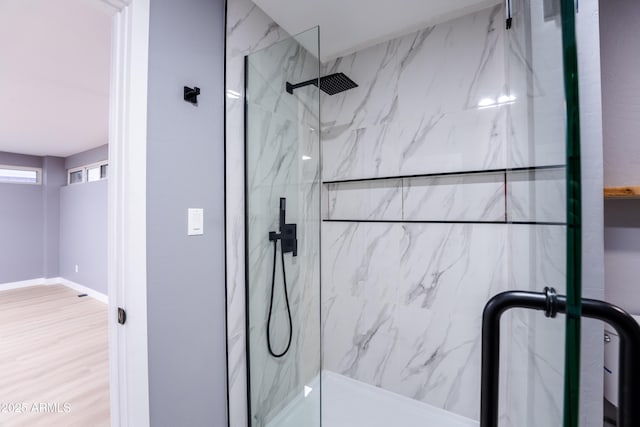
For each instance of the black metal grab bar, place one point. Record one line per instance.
(551, 303)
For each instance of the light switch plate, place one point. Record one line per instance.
(195, 222)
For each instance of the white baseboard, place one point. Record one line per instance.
(81, 288)
(22, 284)
(56, 281)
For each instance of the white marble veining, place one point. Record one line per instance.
(371, 200)
(416, 107)
(383, 326)
(458, 141)
(402, 306)
(477, 197)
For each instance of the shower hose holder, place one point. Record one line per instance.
(288, 234)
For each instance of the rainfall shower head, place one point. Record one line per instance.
(336, 83)
(331, 84)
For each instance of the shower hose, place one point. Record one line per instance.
(286, 298)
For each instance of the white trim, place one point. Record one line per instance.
(79, 288)
(56, 281)
(127, 239)
(111, 6)
(22, 284)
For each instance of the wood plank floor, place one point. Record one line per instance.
(54, 350)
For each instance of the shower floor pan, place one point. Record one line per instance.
(350, 403)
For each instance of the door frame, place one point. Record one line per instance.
(127, 273)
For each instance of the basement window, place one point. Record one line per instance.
(20, 175)
(88, 173)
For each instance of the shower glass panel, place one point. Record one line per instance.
(282, 155)
(542, 361)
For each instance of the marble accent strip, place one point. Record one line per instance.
(535, 196)
(478, 197)
(366, 200)
(439, 174)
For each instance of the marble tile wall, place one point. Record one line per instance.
(365, 200)
(459, 96)
(416, 108)
(478, 197)
(402, 306)
(402, 302)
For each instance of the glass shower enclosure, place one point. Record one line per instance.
(390, 194)
(282, 164)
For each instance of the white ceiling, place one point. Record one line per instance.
(350, 25)
(54, 76)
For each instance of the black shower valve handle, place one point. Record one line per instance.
(288, 237)
(274, 237)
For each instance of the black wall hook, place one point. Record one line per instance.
(191, 94)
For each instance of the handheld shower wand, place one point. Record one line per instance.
(289, 243)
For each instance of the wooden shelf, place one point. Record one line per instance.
(631, 192)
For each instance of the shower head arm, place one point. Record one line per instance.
(291, 87)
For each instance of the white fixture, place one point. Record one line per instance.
(195, 221)
(347, 403)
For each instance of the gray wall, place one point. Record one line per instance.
(622, 253)
(29, 220)
(54, 176)
(83, 234)
(21, 225)
(620, 36)
(83, 225)
(46, 230)
(13, 159)
(185, 168)
(88, 157)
